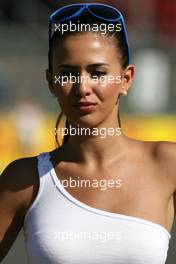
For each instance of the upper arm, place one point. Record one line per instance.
(16, 192)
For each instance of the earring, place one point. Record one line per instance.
(124, 93)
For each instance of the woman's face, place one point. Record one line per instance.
(86, 78)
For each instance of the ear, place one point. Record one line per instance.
(49, 80)
(127, 77)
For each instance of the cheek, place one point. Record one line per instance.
(109, 92)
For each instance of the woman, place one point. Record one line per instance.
(57, 197)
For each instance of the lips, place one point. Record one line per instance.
(85, 107)
(87, 103)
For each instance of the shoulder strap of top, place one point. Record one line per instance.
(43, 160)
(43, 169)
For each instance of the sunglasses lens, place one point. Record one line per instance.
(66, 12)
(104, 12)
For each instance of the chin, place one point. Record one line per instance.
(86, 121)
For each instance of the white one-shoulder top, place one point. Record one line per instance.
(59, 229)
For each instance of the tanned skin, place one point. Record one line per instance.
(146, 169)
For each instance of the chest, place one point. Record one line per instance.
(106, 243)
(128, 190)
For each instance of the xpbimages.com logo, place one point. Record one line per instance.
(86, 131)
(103, 80)
(103, 28)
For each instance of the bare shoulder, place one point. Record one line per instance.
(20, 179)
(167, 154)
(167, 150)
(164, 153)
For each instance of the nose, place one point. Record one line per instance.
(83, 85)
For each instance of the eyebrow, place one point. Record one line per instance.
(98, 65)
(89, 66)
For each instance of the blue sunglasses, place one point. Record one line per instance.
(68, 12)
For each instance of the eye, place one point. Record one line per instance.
(98, 74)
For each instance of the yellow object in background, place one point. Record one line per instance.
(154, 128)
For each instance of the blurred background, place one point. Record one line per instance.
(27, 109)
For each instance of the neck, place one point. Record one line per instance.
(97, 145)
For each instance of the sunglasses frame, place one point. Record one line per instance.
(84, 6)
